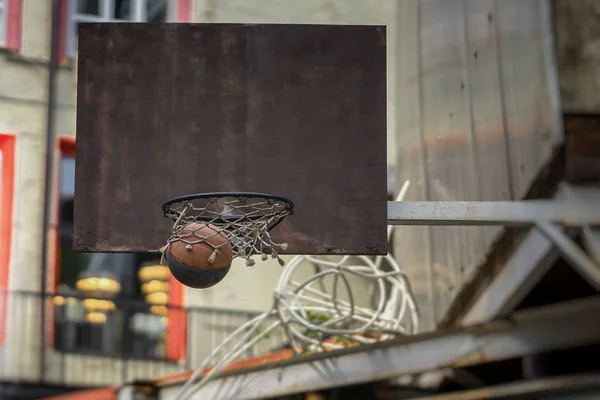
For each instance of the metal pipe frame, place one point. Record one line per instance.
(544, 215)
(527, 332)
(49, 174)
(569, 387)
(507, 213)
(531, 261)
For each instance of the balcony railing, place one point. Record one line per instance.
(127, 341)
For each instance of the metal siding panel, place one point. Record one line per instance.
(413, 244)
(486, 106)
(450, 148)
(482, 98)
(530, 117)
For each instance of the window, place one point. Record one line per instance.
(11, 15)
(114, 11)
(125, 324)
(7, 176)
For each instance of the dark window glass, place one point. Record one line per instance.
(128, 329)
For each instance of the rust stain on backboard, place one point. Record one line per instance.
(166, 110)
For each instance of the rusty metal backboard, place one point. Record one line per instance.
(165, 110)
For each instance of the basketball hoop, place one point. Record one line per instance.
(245, 218)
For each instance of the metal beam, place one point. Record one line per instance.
(591, 242)
(576, 257)
(528, 332)
(590, 236)
(127, 392)
(536, 253)
(527, 265)
(588, 383)
(506, 213)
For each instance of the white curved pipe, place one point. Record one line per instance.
(395, 312)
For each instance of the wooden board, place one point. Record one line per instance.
(166, 110)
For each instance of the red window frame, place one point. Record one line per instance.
(184, 11)
(14, 25)
(176, 329)
(7, 182)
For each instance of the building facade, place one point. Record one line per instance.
(71, 320)
(473, 114)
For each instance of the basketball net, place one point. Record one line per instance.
(312, 318)
(245, 220)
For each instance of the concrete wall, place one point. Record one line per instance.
(23, 111)
(23, 93)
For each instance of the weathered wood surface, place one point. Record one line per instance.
(291, 110)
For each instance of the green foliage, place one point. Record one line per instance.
(257, 332)
(344, 340)
(316, 318)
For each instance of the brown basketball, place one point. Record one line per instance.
(201, 257)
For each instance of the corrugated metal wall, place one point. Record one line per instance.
(478, 118)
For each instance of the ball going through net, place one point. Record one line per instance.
(199, 255)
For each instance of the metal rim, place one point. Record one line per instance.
(289, 204)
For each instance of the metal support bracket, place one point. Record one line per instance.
(506, 213)
(578, 259)
(543, 215)
(532, 259)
